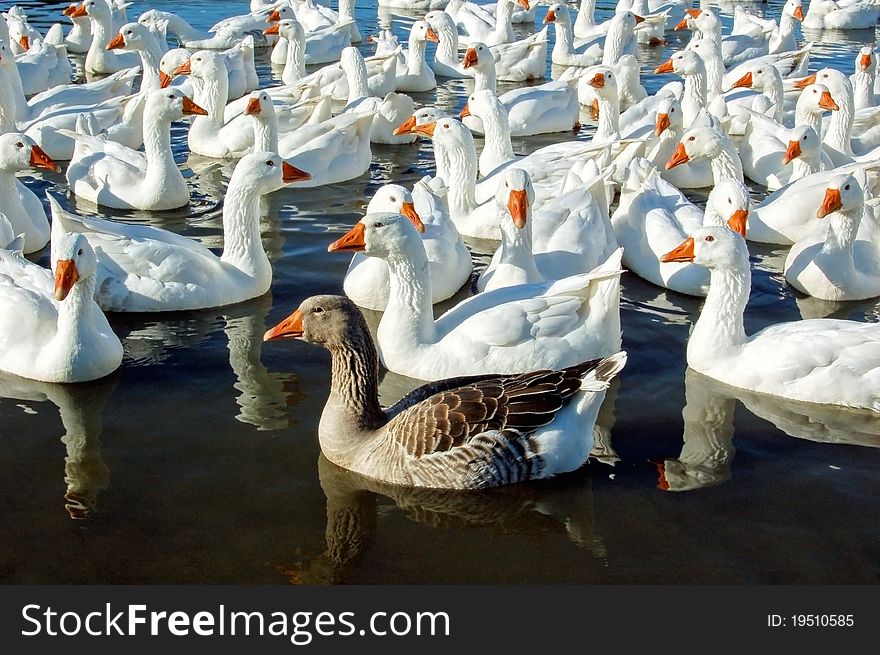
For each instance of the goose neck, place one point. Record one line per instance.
(694, 94)
(409, 316)
(726, 164)
(346, 9)
(182, 29)
(447, 48)
(75, 314)
(12, 95)
(608, 128)
(803, 166)
(354, 388)
(358, 86)
(564, 37)
(485, 77)
(720, 324)
(614, 44)
(157, 145)
(242, 244)
(516, 249)
(586, 16)
(863, 88)
(265, 134)
(415, 63)
(295, 65)
(460, 175)
(496, 134)
(151, 55)
(503, 32)
(714, 75)
(840, 126)
(211, 94)
(775, 93)
(101, 32)
(805, 116)
(842, 230)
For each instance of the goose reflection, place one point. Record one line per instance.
(562, 506)
(81, 408)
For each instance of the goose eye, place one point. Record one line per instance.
(318, 310)
(693, 138)
(446, 125)
(804, 138)
(378, 225)
(79, 252)
(171, 96)
(710, 238)
(672, 110)
(129, 32)
(19, 145)
(269, 162)
(393, 199)
(729, 201)
(846, 188)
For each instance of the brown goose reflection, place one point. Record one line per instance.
(81, 407)
(559, 506)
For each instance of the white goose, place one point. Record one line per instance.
(701, 143)
(79, 38)
(864, 78)
(418, 77)
(668, 130)
(735, 48)
(367, 281)
(21, 206)
(477, 24)
(524, 60)
(146, 269)
(565, 52)
(824, 361)
(510, 329)
(221, 38)
(837, 265)
(109, 174)
(831, 15)
(45, 64)
(446, 61)
(100, 60)
(50, 327)
(653, 217)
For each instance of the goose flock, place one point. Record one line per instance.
(516, 372)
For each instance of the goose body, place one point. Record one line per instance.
(100, 60)
(830, 15)
(21, 207)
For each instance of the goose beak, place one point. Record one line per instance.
(865, 61)
(639, 19)
(69, 11)
(290, 173)
(406, 127)
(117, 43)
(79, 12)
(66, 276)
(290, 328)
(352, 241)
(425, 130)
(184, 69)
(164, 79)
(827, 102)
(39, 159)
(663, 123)
(409, 210)
(550, 17)
(792, 152)
(192, 109)
(805, 82)
(465, 111)
(693, 13)
(431, 35)
(799, 13)
(678, 157)
(524, 4)
(662, 482)
(518, 205)
(598, 81)
(744, 82)
(470, 58)
(25, 42)
(831, 203)
(274, 16)
(737, 222)
(253, 106)
(684, 253)
(274, 28)
(682, 24)
(665, 67)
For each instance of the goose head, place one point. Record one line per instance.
(72, 12)
(290, 28)
(19, 152)
(713, 247)
(97, 10)
(170, 62)
(265, 172)
(730, 200)
(441, 22)
(707, 21)
(706, 48)
(284, 12)
(383, 234)
(260, 105)
(133, 36)
(478, 56)
(558, 14)
(396, 199)
(76, 261)
(18, 31)
(802, 142)
(760, 78)
(668, 115)
(326, 321)
(794, 9)
(422, 116)
(625, 22)
(446, 132)
(688, 22)
(204, 66)
(683, 62)
(421, 31)
(843, 194)
(837, 83)
(696, 144)
(815, 99)
(515, 196)
(604, 83)
(351, 60)
(482, 104)
(628, 72)
(171, 104)
(865, 60)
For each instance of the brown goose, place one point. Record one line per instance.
(471, 432)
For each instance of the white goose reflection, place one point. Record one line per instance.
(81, 408)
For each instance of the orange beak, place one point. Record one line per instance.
(639, 19)
(827, 102)
(665, 67)
(804, 83)
(678, 157)
(598, 81)
(550, 17)
(273, 29)
(39, 159)
(799, 13)
(744, 81)
(164, 79)
(465, 111)
(117, 43)
(693, 13)
(191, 108)
(274, 16)
(518, 205)
(290, 328)
(662, 124)
(406, 127)
(291, 173)
(524, 4)
(69, 11)
(431, 35)
(662, 482)
(352, 241)
(184, 69)
(470, 58)
(792, 152)
(25, 42)
(79, 12)
(684, 253)
(253, 106)
(66, 276)
(409, 210)
(865, 61)
(425, 130)
(682, 24)
(737, 222)
(831, 203)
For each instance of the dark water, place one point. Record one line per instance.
(198, 461)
